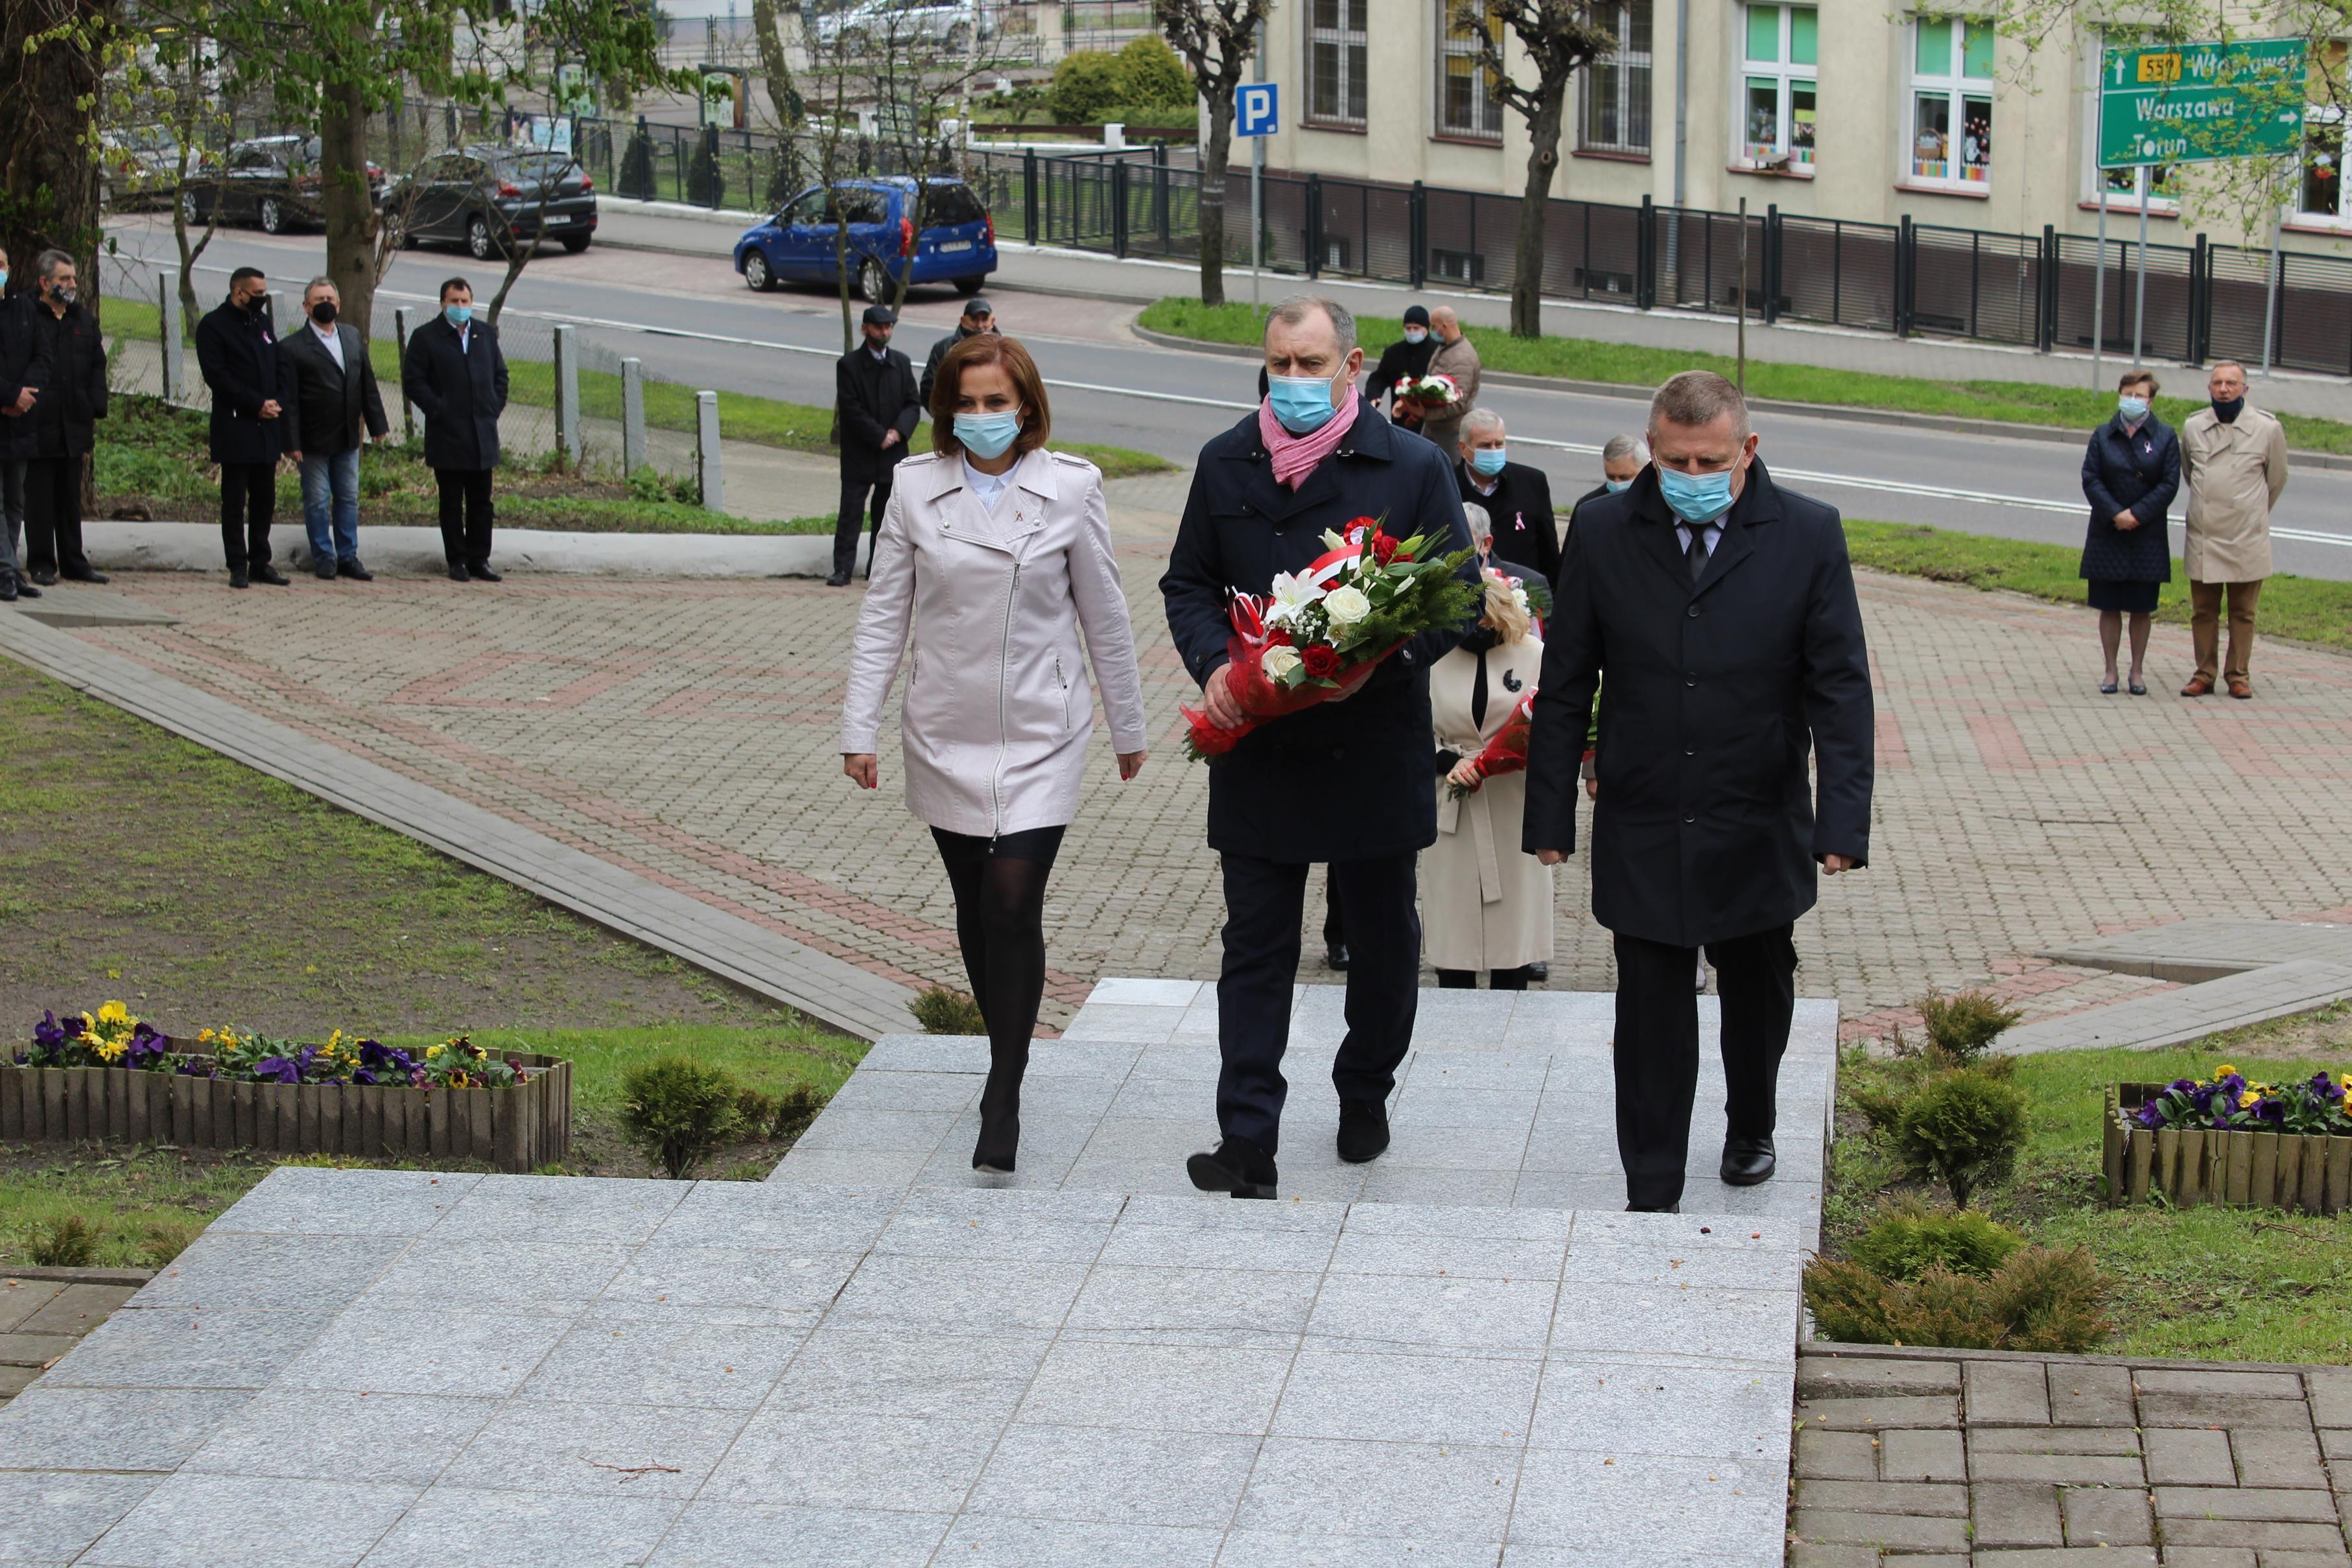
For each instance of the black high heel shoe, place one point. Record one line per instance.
(1000, 1136)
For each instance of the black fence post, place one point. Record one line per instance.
(1645, 257)
(2200, 301)
(1907, 262)
(2045, 326)
(1029, 196)
(1416, 228)
(1771, 264)
(1118, 185)
(1313, 226)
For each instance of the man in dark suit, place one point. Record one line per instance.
(65, 424)
(979, 316)
(1517, 497)
(1345, 783)
(1408, 356)
(24, 369)
(1621, 458)
(237, 350)
(874, 397)
(1721, 608)
(335, 407)
(456, 373)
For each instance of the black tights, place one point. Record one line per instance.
(1496, 980)
(1000, 899)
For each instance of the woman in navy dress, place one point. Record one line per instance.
(2130, 475)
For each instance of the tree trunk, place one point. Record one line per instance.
(349, 204)
(1212, 199)
(1535, 204)
(49, 167)
(776, 67)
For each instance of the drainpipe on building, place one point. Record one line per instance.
(1682, 93)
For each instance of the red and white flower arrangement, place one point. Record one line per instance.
(1431, 393)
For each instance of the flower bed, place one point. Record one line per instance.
(110, 1075)
(2225, 1140)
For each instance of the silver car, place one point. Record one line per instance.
(892, 23)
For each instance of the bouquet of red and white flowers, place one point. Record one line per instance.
(1430, 394)
(1505, 752)
(1322, 632)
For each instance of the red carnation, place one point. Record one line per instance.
(1320, 659)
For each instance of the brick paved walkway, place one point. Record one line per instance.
(686, 729)
(1947, 1459)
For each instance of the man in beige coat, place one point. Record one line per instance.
(1457, 357)
(2233, 465)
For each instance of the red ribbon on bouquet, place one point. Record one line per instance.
(1246, 681)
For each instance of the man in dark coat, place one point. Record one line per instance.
(1621, 458)
(1517, 497)
(65, 425)
(236, 351)
(24, 369)
(1409, 356)
(456, 375)
(335, 407)
(877, 401)
(1346, 783)
(1722, 610)
(979, 316)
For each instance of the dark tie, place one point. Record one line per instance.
(1696, 556)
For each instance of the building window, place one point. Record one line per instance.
(2123, 189)
(2319, 195)
(1467, 104)
(1777, 90)
(1335, 63)
(1617, 90)
(1951, 101)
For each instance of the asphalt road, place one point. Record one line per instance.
(690, 319)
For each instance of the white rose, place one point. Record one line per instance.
(1346, 606)
(1278, 662)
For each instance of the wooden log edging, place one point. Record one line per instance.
(2307, 1172)
(516, 1128)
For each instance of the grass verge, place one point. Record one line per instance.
(2303, 609)
(2222, 1284)
(1628, 364)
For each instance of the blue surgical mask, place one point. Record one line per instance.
(987, 435)
(1415, 334)
(1616, 485)
(2133, 409)
(1488, 460)
(1696, 497)
(1303, 403)
(457, 315)
(4, 277)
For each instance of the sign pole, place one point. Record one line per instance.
(2099, 289)
(1743, 297)
(2270, 289)
(1257, 192)
(2139, 299)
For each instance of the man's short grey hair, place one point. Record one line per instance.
(2234, 364)
(1480, 420)
(1620, 448)
(1482, 527)
(1696, 398)
(1295, 310)
(322, 281)
(47, 264)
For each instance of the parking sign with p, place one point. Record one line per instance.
(1254, 109)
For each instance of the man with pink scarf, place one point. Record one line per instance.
(1346, 783)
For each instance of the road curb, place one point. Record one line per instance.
(191, 547)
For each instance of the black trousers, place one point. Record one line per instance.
(853, 512)
(1264, 902)
(464, 515)
(53, 516)
(248, 506)
(1657, 1049)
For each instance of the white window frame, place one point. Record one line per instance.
(2123, 194)
(1956, 88)
(1487, 105)
(2315, 116)
(1347, 45)
(1782, 151)
(1630, 70)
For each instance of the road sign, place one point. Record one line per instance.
(2187, 103)
(1255, 110)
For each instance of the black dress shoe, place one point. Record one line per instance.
(1363, 1130)
(270, 575)
(1653, 1208)
(85, 573)
(7, 588)
(1746, 1161)
(355, 570)
(1539, 972)
(1235, 1166)
(457, 572)
(46, 577)
(1335, 956)
(838, 580)
(237, 577)
(25, 588)
(323, 570)
(482, 574)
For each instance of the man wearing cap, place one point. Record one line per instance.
(1409, 356)
(978, 317)
(876, 402)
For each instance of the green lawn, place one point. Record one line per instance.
(1627, 364)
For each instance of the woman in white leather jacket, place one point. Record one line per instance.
(993, 555)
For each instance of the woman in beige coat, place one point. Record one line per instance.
(1486, 904)
(993, 555)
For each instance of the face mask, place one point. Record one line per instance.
(1303, 403)
(1616, 485)
(323, 312)
(457, 315)
(987, 435)
(2228, 412)
(1488, 460)
(4, 277)
(1696, 497)
(1416, 334)
(65, 294)
(250, 302)
(2133, 409)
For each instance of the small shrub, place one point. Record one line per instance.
(677, 1113)
(706, 184)
(165, 1238)
(795, 1108)
(942, 1011)
(1154, 78)
(1085, 83)
(1964, 1027)
(1963, 1127)
(637, 167)
(67, 1243)
(1910, 1238)
(2038, 1300)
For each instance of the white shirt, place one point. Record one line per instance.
(1714, 535)
(334, 341)
(989, 488)
(1483, 485)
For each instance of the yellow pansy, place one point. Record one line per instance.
(114, 1012)
(2223, 1071)
(110, 1049)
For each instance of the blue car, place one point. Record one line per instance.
(952, 240)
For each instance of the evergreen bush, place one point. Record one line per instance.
(1909, 1239)
(677, 1113)
(2038, 1300)
(1964, 1027)
(942, 1011)
(1963, 1127)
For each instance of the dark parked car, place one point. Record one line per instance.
(491, 198)
(273, 181)
(952, 240)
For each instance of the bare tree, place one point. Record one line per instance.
(1216, 39)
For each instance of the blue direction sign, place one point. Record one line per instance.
(1256, 110)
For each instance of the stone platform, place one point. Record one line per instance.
(903, 1366)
